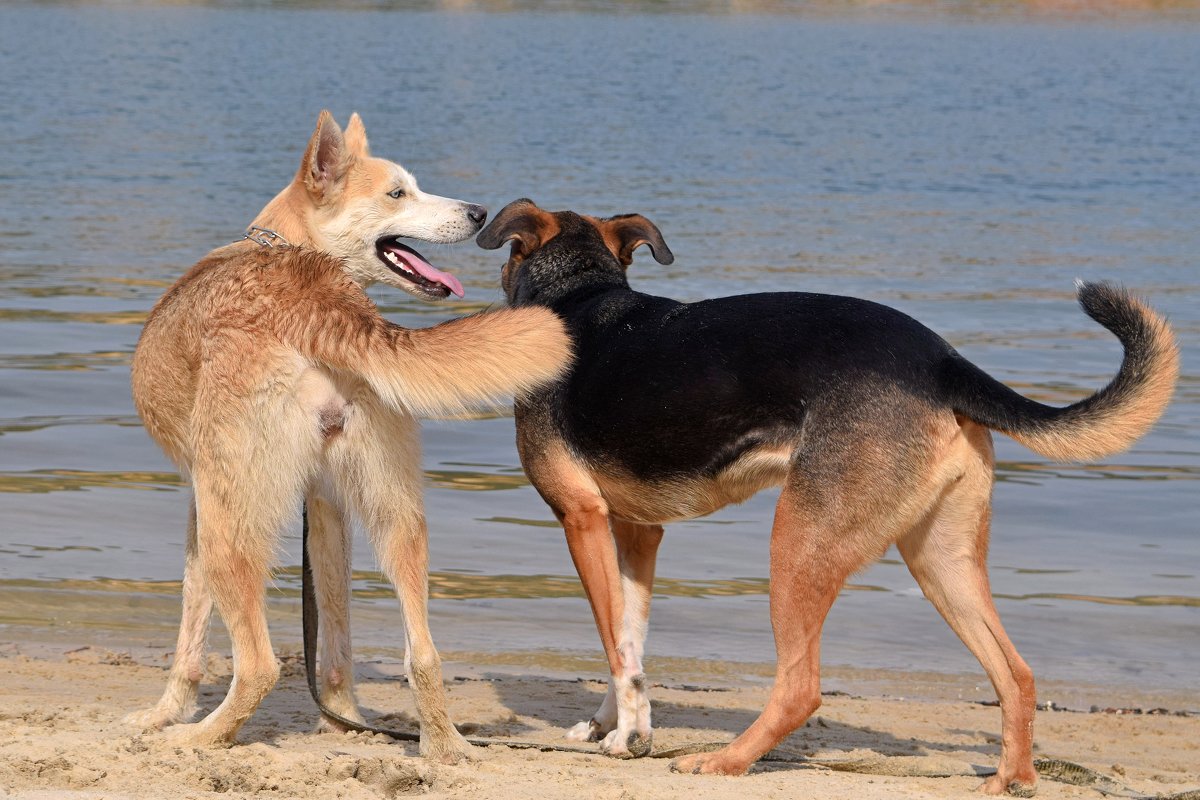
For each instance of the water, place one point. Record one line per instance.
(963, 165)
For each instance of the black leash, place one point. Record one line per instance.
(309, 621)
(1051, 769)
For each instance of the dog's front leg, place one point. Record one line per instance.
(637, 549)
(593, 549)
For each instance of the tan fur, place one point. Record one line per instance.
(670, 501)
(270, 378)
(1117, 430)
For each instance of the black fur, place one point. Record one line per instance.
(668, 389)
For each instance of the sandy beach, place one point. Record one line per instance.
(962, 162)
(61, 735)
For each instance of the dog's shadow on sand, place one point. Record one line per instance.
(530, 703)
(562, 703)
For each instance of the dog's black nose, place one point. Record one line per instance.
(476, 214)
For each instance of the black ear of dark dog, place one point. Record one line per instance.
(521, 220)
(633, 231)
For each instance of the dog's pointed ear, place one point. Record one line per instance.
(522, 223)
(326, 158)
(628, 232)
(356, 137)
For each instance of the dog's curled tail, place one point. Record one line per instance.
(1108, 421)
(481, 359)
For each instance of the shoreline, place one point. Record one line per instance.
(62, 737)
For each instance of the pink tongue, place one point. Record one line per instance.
(429, 272)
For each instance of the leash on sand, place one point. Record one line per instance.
(895, 766)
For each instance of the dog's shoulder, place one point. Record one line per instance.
(237, 285)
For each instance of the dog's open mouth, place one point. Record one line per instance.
(408, 263)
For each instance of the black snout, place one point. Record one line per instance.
(476, 214)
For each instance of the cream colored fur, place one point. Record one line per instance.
(270, 378)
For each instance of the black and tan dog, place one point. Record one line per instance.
(876, 428)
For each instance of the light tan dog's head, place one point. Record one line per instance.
(358, 208)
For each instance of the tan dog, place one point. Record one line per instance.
(269, 377)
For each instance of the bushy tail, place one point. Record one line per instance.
(481, 359)
(1110, 420)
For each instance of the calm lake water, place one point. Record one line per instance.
(963, 167)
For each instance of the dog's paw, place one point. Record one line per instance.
(452, 749)
(198, 734)
(326, 725)
(1017, 788)
(631, 744)
(155, 718)
(717, 763)
(589, 731)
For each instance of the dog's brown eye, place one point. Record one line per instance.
(396, 193)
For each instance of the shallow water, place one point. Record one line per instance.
(963, 167)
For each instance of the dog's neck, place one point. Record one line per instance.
(285, 215)
(556, 274)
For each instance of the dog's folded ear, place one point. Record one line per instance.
(629, 232)
(522, 223)
(326, 158)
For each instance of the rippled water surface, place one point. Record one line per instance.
(964, 168)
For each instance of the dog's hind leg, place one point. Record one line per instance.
(808, 568)
(376, 464)
(329, 551)
(237, 527)
(948, 557)
(637, 549)
(856, 485)
(178, 703)
(251, 464)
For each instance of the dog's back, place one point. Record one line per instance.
(670, 389)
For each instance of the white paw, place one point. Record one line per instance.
(627, 744)
(587, 731)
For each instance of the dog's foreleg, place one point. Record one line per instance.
(178, 703)
(637, 549)
(593, 550)
(329, 551)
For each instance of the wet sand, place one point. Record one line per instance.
(61, 734)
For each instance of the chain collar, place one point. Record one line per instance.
(266, 237)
